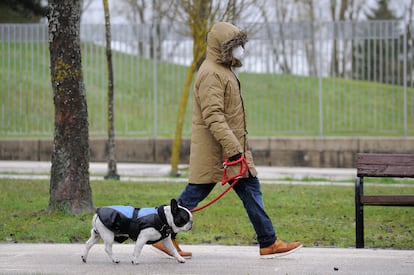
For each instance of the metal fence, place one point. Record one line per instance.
(303, 78)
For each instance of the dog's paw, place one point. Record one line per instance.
(83, 259)
(134, 262)
(181, 260)
(116, 261)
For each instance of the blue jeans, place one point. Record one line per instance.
(249, 192)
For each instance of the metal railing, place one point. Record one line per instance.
(303, 78)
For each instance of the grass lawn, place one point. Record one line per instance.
(315, 215)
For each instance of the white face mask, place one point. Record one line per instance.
(238, 52)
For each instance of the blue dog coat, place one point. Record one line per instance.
(127, 220)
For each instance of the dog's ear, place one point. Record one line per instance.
(174, 206)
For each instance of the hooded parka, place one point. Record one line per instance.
(218, 115)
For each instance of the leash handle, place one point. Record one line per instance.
(243, 169)
(224, 180)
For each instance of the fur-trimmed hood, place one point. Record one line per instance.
(221, 40)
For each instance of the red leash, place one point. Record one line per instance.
(243, 169)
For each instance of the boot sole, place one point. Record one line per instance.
(278, 255)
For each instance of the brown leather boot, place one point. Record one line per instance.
(162, 248)
(278, 249)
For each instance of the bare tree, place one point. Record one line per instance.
(338, 11)
(151, 13)
(410, 42)
(278, 44)
(135, 11)
(112, 173)
(410, 10)
(306, 10)
(69, 181)
(85, 5)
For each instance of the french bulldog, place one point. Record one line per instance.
(143, 225)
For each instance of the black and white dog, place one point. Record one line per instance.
(143, 225)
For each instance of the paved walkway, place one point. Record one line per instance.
(207, 259)
(133, 170)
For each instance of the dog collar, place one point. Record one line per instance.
(165, 230)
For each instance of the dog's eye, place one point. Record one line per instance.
(181, 219)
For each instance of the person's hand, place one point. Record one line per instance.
(235, 157)
(233, 167)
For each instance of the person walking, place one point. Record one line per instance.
(219, 132)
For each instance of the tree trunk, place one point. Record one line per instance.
(175, 154)
(112, 173)
(69, 181)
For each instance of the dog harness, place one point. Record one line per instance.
(127, 220)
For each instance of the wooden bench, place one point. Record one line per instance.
(380, 165)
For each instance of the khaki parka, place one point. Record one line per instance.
(218, 115)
